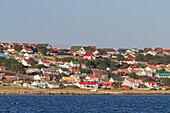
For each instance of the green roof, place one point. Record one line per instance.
(74, 62)
(75, 48)
(162, 74)
(118, 79)
(86, 48)
(99, 71)
(42, 45)
(64, 69)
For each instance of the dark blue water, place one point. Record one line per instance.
(85, 103)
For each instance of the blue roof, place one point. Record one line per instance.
(3, 55)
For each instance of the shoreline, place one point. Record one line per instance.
(79, 93)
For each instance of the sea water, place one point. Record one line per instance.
(85, 103)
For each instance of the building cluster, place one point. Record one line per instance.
(69, 74)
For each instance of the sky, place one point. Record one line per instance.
(101, 23)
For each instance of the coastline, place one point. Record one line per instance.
(80, 92)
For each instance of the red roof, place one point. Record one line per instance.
(14, 44)
(124, 77)
(76, 70)
(125, 86)
(115, 72)
(151, 82)
(28, 49)
(94, 47)
(55, 49)
(44, 61)
(106, 83)
(134, 67)
(88, 53)
(92, 76)
(152, 67)
(132, 70)
(10, 48)
(123, 70)
(84, 83)
(139, 80)
(26, 59)
(5, 44)
(46, 75)
(130, 60)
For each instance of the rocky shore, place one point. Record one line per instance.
(76, 93)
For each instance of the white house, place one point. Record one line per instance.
(151, 84)
(28, 50)
(92, 78)
(29, 54)
(131, 61)
(11, 49)
(152, 53)
(131, 83)
(25, 62)
(75, 64)
(89, 55)
(85, 85)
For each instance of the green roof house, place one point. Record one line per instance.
(75, 64)
(162, 75)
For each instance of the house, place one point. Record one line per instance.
(10, 77)
(68, 80)
(28, 50)
(131, 83)
(162, 75)
(152, 69)
(53, 85)
(44, 62)
(14, 44)
(47, 46)
(54, 49)
(48, 78)
(151, 84)
(76, 77)
(115, 71)
(64, 55)
(33, 45)
(11, 49)
(167, 69)
(25, 62)
(5, 45)
(92, 78)
(89, 55)
(40, 77)
(48, 71)
(131, 61)
(3, 55)
(137, 70)
(153, 53)
(86, 85)
(106, 84)
(148, 49)
(101, 74)
(75, 64)
(65, 65)
(33, 70)
(123, 70)
(76, 71)
(29, 54)
(64, 70)
(25, 45)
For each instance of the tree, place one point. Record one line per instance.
(165, 81)
(120, 57)
(32, 61)
(133, 75)
(18, 48)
